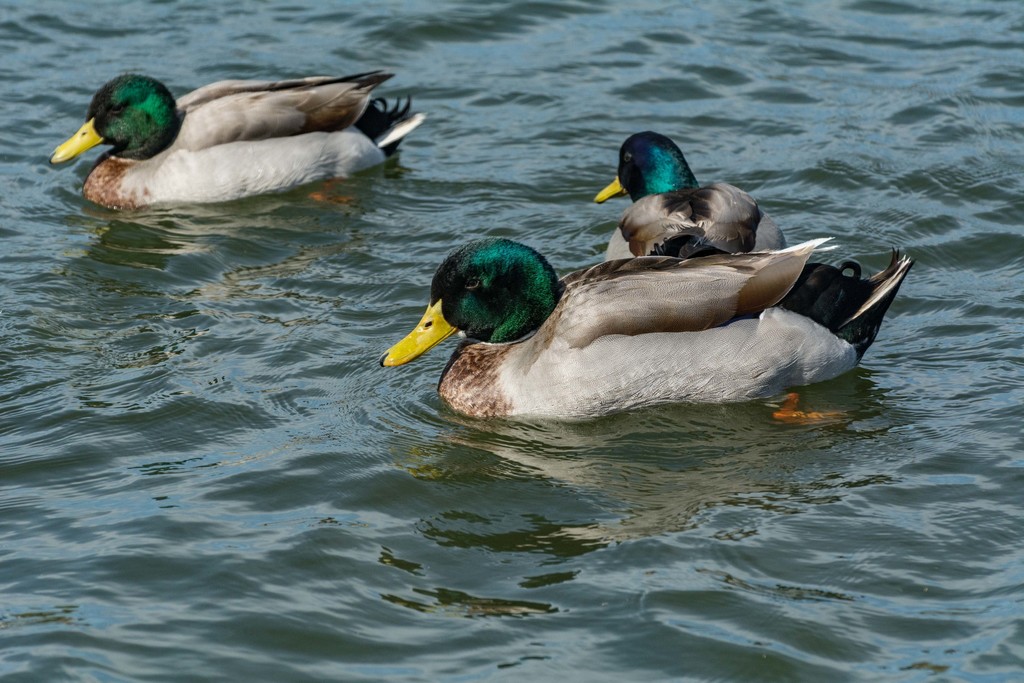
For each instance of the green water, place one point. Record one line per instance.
(205, 475)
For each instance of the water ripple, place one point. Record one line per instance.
(204, 469)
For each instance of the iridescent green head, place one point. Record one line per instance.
(650, 163)
(494, 290)
(136, 114)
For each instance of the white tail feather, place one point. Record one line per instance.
(400, 130)
(809, 245)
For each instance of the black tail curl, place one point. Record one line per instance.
(851, 307)
(379, 118)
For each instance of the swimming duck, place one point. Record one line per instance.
(642, 331)
(672, 214)
(232, 139)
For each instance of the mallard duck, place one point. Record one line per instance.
(232, 139)
(672, 214)
(643, 331)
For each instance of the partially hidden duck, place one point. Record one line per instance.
(672, 214)
(642, 331)
(232, 139)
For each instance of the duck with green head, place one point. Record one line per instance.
(643, 331)
(231, 139)
(672, 214)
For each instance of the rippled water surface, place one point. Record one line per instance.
(204, 475)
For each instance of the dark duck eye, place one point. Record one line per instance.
(473, 283)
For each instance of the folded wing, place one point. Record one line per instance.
(232, 111)
(661, 294)
(720, 215)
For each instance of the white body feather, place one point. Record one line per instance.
(746, 359)
(240, 169)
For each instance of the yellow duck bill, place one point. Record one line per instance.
(614, 189)
(85, 139)
(431, 331)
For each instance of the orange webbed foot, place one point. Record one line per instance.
(789, 413)
(326, 193)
